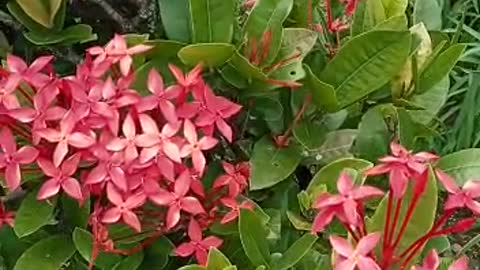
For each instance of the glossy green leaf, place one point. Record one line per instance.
(421, 220)
(209, 54)
(271, 165)
(83, 243)
(74, 214)
(429, 12)
(396, 23)
(268, 15)
(463, 165)
(373, 135)
(323, 94)
(366, 63)
(299, 222)
(253, 237)
(192, 267)
(432, 101)
(337, 145)
(240, 65)
(156, 256)
(41, 11)
(394, 7)
(48, 254)
(175, 17)
(440, 244)
(33, 214)
(79, 33)
(212, 20)
(296, 252)
(15, 9)
(11, 247)
(309, 134)
(439, 68)
(141, 74)
(163, 49)
(131, 262)
(374, 13)
(295, 42)
(328, 175)
(216, 260)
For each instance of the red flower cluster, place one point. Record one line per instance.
(96, 138)
(403, 167)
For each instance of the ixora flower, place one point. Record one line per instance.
(139, 160)
(432, 262)
(355, 257)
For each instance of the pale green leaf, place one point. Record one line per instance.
(212, 20)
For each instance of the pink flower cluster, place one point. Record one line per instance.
(404, 168)
(96, 138)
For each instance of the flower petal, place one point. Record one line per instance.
(368, 243)
(132, 220)
(12, 176)
(173, 216)
(341, 246)
(344, 183)
(113, 195)
(80, 140)
(112, 215)
(72, 188)
(185, 250)
(192, 205)
(49, 189)
(194, 231)
(60, 152)
(26, 155)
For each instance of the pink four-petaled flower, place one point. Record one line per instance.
(460, 197)
(194, 146)
(358, 256)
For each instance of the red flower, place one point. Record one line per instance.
(11, 158)
(108, 168)
(19, 71)
(198, 245)
(128, 144)
(64, 137)
(123, 208)
(177, 200)
(431, 262)
(6, 217)
(358, 257)
(60, 178)
(345, 202)
(235, 209)
(459, 198)
(402, 165)
(235, 178)
(194, 147)
(186, 81)
(160, 97)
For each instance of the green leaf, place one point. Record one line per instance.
(463, 165)
(298, 222)
(396, 23)
(141, 74)
(163, 49)
(74, 214)
(296, 252)
(48, 254)
(41, 11)
(440, 244)
(394, 7)
(15, 9)
(212, 20)
(253, 237)
(432, 101)
(373, 135)
(421, 220)
(295, 42)
(11, 247)
(132, 262)
(375, 13)
(310, 134)
(439, 68)
(216, 260)
(79, 33)
(83, 243)
(271, 165)
(328, 175)
(323, 94)
(209, 54)
(366, 63)
(337, 145)
(156, 256)
(429, 12)
(240, 72)
(191, 267)
(268, 15)
(33, 214)
(175, 17)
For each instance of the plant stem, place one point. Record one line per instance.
(407, 218)
(284, 138)
(396, 216)
(387, 220)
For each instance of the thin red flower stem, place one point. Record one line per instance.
(363, 229)
(253, 51)
(396, 216)
(351, 232)
(282, 62)
(328, 7)
(406, 220)
(25, 94)
(309, 15)
(19, 131)
(115, 72)
(284, 138)
(387, 220)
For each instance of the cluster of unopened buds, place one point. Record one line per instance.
(139, 159)
(382, 250)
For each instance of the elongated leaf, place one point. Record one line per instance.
(17, 12)
(432, 101)
(394, 7)
(176, 19)
(366, 63)
(375, 14)
(75, 215)
(253, 237)
(323, 94)
(296, 252)
(271, 165)
(48, 254)
(83, 243)
(439, 68)
(131, 262)
(239, 66)
(41, 11)
(216, 260)
(268, 15)
(328, 175)
(310, 134)
(212, 20)
(209, 54)
(79, 33)
(33, 214)
(337, 145)
(157, 254)
(462, 165)
(440, 244)
(421, 220)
